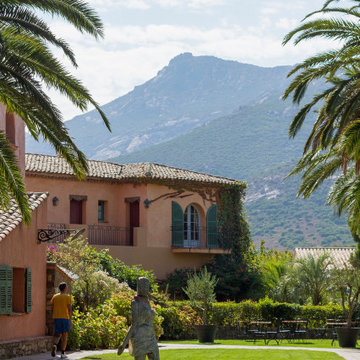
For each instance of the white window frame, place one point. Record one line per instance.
(192, 233)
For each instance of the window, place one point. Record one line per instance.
(101, 210)
(192, 227)
(186, 227)
(15, 290)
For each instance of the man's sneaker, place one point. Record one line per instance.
(53, 350)
(63, 356)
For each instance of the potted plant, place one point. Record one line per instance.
(201, 292)
(347, 283)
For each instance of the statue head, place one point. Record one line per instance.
(143, 286)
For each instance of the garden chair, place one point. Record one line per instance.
(331, 325)
(301, 329)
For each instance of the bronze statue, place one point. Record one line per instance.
(141, 335)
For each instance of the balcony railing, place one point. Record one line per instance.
(109, 235)
(200, 239)
(58, 226)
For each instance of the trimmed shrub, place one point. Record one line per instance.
(179, 322)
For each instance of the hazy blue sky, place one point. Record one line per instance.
(141, 36)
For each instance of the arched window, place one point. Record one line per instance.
(192, 227)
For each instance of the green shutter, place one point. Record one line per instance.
(177, 225)
(212, 236)
(28, 290)
(6, 279)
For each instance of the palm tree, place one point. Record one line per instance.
(333, 145)
(27, 65)
(314, 273)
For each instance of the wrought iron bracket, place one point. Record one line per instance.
(45, 235)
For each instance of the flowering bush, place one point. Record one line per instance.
(106, 326)
(93, 291)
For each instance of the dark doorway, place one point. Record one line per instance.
(134, 219)
(76, 211)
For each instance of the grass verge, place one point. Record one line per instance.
(232, 354)
(315, 343)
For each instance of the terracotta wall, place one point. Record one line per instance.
(18, 132)
(152, 240)
(21, 250)
(113, 194)
(159, 259)
(159, 213)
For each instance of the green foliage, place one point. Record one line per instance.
(200, 289)
(106, 326)
(175, 283)
(28, 70)
(333, 143)
(129, 274)
(98, 273)
(346, 281)
(94, 290)
(234, 231)
(315, 275)
(237, 278)
(238, 314)
(97, 329)
(179, 321)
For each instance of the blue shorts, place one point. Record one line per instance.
(61, 326)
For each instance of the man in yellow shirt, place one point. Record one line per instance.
(61, 310)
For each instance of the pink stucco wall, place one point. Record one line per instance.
(153, 240)
(19, 143)
(159, 213)
(116, 212)
(21, 250)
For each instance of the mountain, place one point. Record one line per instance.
(224, 118)
(187, 93)
(252, 145)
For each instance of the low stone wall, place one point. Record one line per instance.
(21, 347)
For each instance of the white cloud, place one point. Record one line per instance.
(287, 24)
(147, 4)
(131, 4)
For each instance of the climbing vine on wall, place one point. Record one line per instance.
(234, 231)
(233, 228)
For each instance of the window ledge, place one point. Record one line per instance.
(14, 314)
(199, 250)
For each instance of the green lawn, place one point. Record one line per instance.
(231, 354)
(325, 343)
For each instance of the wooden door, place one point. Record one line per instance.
(134, 219)
(76, 211)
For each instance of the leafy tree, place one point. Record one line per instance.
(333, 144)
(346, 281)
(27, 67)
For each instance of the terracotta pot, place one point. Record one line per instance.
(206, 333)
(347, 336)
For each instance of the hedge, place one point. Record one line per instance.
(179, 320)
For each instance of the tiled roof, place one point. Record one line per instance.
(11, 218)
(339, 256)
(46, 165)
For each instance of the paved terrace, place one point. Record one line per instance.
(347, 354)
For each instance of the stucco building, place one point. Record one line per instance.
(158, 216)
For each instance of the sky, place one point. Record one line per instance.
(142, 36)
